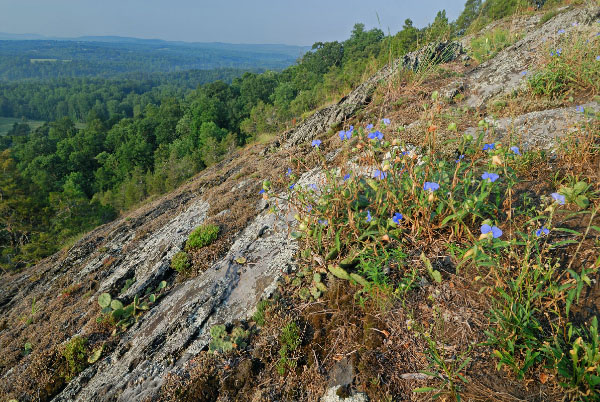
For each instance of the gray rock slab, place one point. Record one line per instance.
(331, 396)
(540, 130)
(178, 328)
(325, 118)
(502, 74)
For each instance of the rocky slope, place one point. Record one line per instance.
(48, 304)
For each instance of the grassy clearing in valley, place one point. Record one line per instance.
(6, 124)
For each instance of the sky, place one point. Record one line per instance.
(293, 22)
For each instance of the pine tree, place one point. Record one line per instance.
(470, 12)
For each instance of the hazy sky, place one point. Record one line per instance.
(297, 22)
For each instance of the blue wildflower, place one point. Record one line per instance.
(580, 109)
(559, 198)
(561, 31)
(496, 231)
(314, 186)
(397, 218)
(515, 150)
(346, 135)
(597, 58)
(309, 208)
(289, 172)
(316, 143)
(323, 222)
(543, 231)
(431, 186)
(386, 121)
(488, 147)
(369, 217)
(261, 191)
(377, 135)
(492, 177)
(346, 176)
(460, 158)
(292, 186)
(369, 127)
(378, 174)
(524, 73)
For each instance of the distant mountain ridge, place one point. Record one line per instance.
(293, 50)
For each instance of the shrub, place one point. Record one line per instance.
(202, 236)
(181, 262)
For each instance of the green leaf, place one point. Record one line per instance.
(562, 243)
(582, 201)
(116, 305)
(161, 285)
(448, 219)
(359, 279)
(104, 300)
(152, 298)
(95, 355)
(435, 275)
(117, 314)
(425, 389)
(566, 230)
(580, 187)
(338, 272)
(333, 253)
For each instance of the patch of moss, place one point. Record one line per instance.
(75, 355)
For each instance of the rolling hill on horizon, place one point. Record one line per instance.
(257, 47)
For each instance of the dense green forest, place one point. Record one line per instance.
(112, 142)
(108, 98)
(39, 59)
